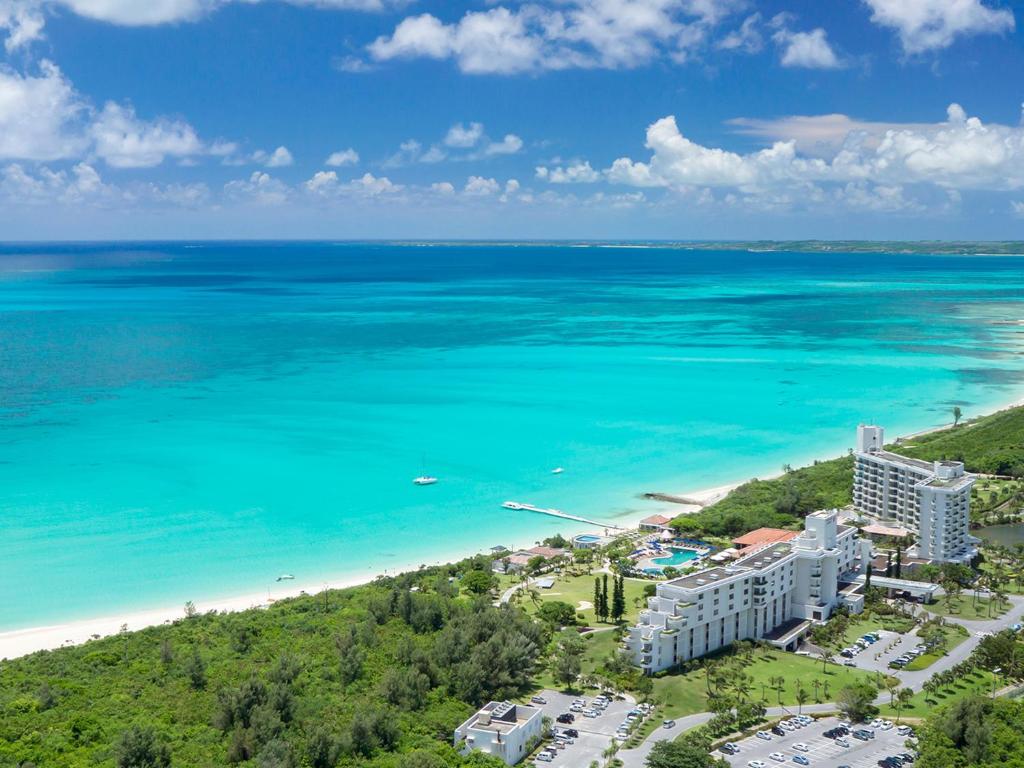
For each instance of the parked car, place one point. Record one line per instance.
(778, 731)
(728, 749)
(801, 760)
(757, 764)
(544, 757)
(669, 724)
(778, 757)
(565, 718)
(538, 700)
(905, 730)
(801, 747)
(764, 735)
(572, 733)
(842, 742)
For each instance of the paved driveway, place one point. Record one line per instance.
(889, 647)
(823, 752)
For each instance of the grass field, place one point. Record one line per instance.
(686, 694)
(980, 682)
(580, 589)
(968, 609)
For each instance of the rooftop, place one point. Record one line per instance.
(701, 578)
(502, 716)
(897, 459)
(761, 558)
(877, 529)
(656, 520)
(763, 536)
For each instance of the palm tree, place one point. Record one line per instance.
(780, 686)
(903, 699)
(817, 689)
(801, 698)
(826, 656)
(957, 413)
(826, 690)
(893, 689)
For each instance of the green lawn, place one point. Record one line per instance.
(979, 681)
(967, 609)
(681, 695)
(580, 589)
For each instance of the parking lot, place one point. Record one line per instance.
(822, 752)
(596, 733)
(866, 659)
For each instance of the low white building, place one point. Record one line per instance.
(775, 593)
(502, 729)
(930, 499)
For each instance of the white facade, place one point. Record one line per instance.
(770, 591)
(501, 729)
(932, 499)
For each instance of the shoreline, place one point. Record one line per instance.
(22, 642)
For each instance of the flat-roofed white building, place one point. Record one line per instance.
(774, 593)
(930, 499)
(502, 729)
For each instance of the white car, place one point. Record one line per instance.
(756, 764)
(842, 742)
(764, 735)
(590, 713)
(886, 725)
(904, 730)
(801, 747)
(805, 719)
(876, 723)
(544, 757)
(787, 726)
(778, 757)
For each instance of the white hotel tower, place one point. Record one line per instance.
(930, 499)
(775, 593)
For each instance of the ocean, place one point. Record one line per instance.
(187, 421)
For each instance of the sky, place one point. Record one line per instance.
(617, 119)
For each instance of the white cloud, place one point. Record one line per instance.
(343, 157)
(372, 186)
(510, 145)
(478, 186)
(433, 155)
(442, 188)
(40, 116)
(809, 50)
(280, 158)
(1017, 207)
(820, 135)
(571, 34)
(747, 38)
(577, 173)
(124, 141)
(322, 181)
(22, 21)
(961, 153)
(260, 188)
(464, 137)
(924, 25)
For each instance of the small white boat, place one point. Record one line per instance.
(557, 471)
(285, 577)
(512, 505)
(425, 480)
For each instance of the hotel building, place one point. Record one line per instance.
(502, 729)
(775, 593)
(930, 499)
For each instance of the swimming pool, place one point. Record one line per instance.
(587, 538)
(678, 557)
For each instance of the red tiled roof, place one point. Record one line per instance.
(763, 536)
(656, 520)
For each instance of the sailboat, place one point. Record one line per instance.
(557, 471)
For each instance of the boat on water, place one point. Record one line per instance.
(512, 505)
(557, 471)
(285, 577)
(425, 480)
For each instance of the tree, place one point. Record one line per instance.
(597, 598)
(140, 748)
(195, 671)
(957, 413)
(479, 582)
(679, 754)
(605, 606)
(322, 749)
(801, 697)
(557, 613)
(826, 656)
(618, 608)
(902, 700)
(855, 701)
(568, 657)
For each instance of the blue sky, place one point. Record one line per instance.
(499, 118)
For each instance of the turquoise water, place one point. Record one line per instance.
(182, 422)
(678, 557)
